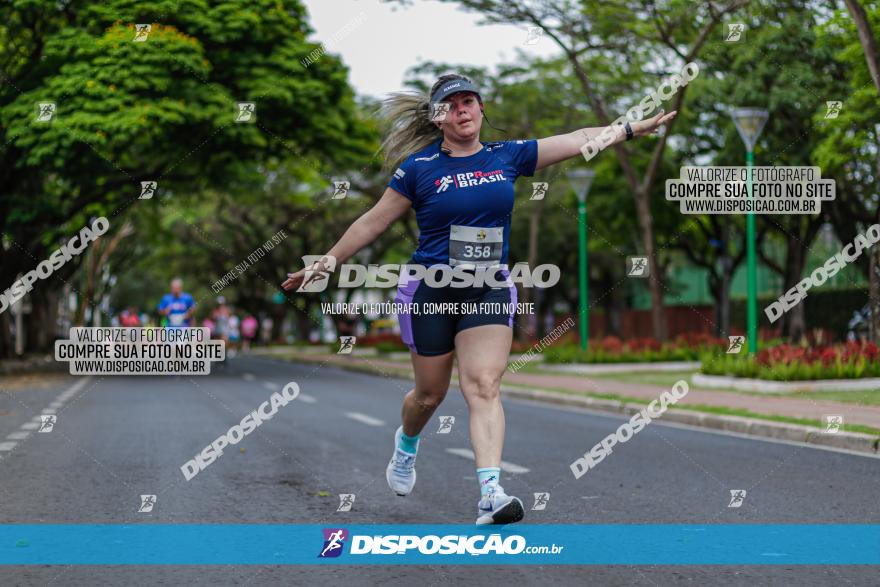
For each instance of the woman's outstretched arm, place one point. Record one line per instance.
(561, 147)
(391, 206)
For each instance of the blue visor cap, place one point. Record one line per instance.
(453, 87)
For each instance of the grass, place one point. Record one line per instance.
(668, 378)
(863, 398)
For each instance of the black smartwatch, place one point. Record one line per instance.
(629, 130)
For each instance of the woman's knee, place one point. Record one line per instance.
(429, 397)
(482, 387)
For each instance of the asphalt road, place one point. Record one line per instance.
(116, 438)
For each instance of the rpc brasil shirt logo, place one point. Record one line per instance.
(335, 538)
(471, 178)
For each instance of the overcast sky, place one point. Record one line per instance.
(380, 41)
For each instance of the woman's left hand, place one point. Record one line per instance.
(650, 126)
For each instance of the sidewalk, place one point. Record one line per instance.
(766, 405)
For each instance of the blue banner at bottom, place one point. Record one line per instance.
(270, 544)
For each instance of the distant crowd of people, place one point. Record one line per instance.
(177, 310)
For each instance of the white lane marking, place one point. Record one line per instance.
(307, 398)
(74, 389)
(37, 421)
(271, 386)
(364, 419)
(248, 377)
(505, 466)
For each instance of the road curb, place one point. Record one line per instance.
(853, 441)
(763, 386)
(35, 364)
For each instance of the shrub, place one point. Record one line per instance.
(392, 347)
(787, 362)
(638, 350)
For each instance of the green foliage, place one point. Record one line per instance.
(743, 365)
(161, 110)
(572, 353)
(391, 347)
(826, 308)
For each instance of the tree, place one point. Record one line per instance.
(162, 109)
(848, 149)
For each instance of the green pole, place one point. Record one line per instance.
(752, 314)
(584, 283)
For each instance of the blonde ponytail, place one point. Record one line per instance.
(410, 129)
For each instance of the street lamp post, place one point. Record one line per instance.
(581, 179)
(749, 123)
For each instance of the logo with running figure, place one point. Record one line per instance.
(443, 183)
(833, 423)
(833, 108)
(469, 179)
(737, 496)
(735, 31)
(539, 190)
(147, 503)
(541, 500)
(346, 345)
(346, 500)
(334, 542)
(47, 422)
(317, 276)
(446, 423)
(735, 344)
(637, 267)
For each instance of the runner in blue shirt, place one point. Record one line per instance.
(177, 306)
(462, 192)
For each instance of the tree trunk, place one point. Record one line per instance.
(874, 294)
(6, 348)
(608, 301)
(646, 225)
(794, 321)
(40, 324)
(304, 325)
(866, 37)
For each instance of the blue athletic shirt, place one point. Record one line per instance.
(179, 307)
(449, 193)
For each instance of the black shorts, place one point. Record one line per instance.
(430, 333)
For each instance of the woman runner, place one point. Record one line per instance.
(462, 192)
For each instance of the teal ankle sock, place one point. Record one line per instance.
(408, 444)
(488, 477)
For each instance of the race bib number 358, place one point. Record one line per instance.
(475, 246)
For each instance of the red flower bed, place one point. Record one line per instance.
(827, 355)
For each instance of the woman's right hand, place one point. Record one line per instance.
(316, 272)
(294, 280)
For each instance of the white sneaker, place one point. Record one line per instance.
(499, 508)
(401, 471)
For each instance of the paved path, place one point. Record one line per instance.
(117, 438)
